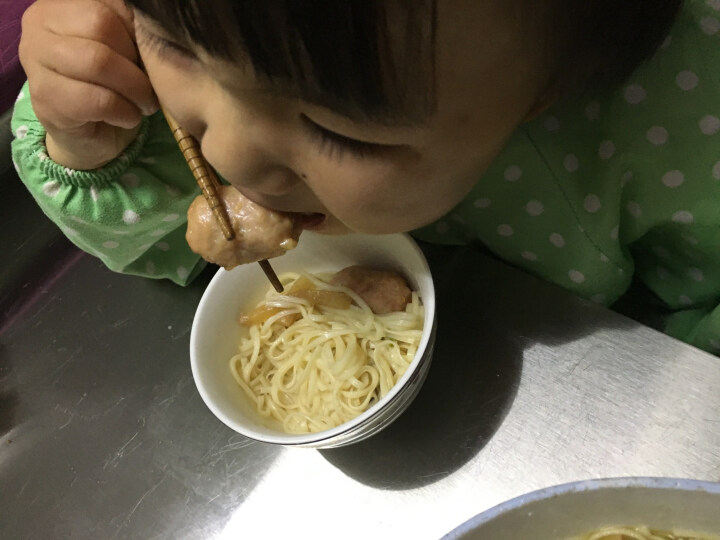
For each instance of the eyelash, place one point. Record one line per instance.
(336, 145)
(165, 47)
(333, 144)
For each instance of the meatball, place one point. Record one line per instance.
(259, 233)
(383, 290)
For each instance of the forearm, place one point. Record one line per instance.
(130, 213)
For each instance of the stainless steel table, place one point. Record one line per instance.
(103, 434)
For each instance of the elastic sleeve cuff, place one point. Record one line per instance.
(100, 177)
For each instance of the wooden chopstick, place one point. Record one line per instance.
(209, 183)
(203, 173)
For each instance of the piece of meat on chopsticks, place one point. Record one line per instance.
(384, 291)
(259, 233)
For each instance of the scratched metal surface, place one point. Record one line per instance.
(103, 434)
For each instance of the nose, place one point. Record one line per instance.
(248, 163)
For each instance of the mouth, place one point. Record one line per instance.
(309, 220)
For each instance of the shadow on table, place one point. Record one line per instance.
(483, 331)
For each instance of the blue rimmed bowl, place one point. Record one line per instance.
(570, 510)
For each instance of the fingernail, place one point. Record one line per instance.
(150, 108)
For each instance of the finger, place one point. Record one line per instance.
(124, 13)
(68, 104)
(96, 63)
(93, 20)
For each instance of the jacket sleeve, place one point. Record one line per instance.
(680, 264)
(131, 213)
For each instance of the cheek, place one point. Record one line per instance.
(357, 188)
(384, 198)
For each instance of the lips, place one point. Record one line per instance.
(310, 220)
(307, 220)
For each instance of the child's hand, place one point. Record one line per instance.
(86, 87)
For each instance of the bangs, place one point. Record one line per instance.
(369, 59)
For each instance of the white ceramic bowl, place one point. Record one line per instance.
(570, 510)
(215, 333)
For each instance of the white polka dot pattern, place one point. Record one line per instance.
(534, 208)
(557, 240)
(696, 274)
(709, 124)
(606, 150)
(51, 188)
(634, 209)
(687, 80)
(130, 217)
(505, 230)
(673, 179)
(513, 173)
(710, 25)
(552, 123)
(683, 216)
(482, 203)
(657, 135)
(592, 203)
(571, 163)
(576, 276)
(635, 94)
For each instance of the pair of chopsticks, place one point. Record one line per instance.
(208, 182)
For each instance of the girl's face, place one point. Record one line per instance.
(290, 155)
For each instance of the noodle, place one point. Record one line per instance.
(642, 533)
(313, 367)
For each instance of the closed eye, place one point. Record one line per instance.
(336, 145)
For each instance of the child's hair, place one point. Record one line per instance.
(375, 58)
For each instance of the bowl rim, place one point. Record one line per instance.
(579, 486)
(327, 436)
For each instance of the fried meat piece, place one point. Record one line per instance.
(259, 233)
(383, 290)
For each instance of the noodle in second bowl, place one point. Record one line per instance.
(311, 367)
(643, 533)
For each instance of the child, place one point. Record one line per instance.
(492, 121)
